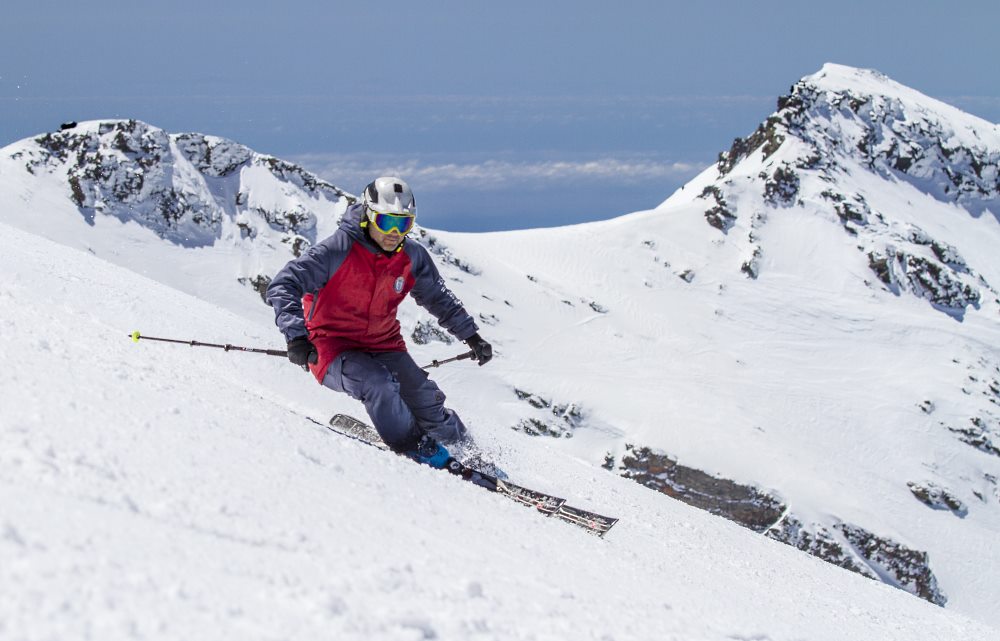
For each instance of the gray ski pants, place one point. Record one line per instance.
(402, 401)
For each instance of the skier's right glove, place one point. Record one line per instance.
(302, 352)
(482, 349)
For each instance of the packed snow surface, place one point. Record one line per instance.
(154, 491)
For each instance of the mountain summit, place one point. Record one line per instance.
(843, 138)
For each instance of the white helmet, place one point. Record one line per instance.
(389, 195)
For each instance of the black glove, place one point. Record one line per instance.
(482, 349)
(301, 352)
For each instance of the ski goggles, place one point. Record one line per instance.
(386, 223)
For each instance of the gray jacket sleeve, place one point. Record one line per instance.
(431, 293)
(306, 274)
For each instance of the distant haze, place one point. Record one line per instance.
(501, 116)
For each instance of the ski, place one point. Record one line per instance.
(352, 427)
(547, 504)
(590, 521)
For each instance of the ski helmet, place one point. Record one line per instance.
(389, 195)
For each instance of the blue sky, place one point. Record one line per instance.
(500, 115)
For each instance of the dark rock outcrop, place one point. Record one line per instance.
(557, 420)
(938, 498)
(429, 332)
(845, 545)
(719, 216)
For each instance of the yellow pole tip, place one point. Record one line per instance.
(135, 336)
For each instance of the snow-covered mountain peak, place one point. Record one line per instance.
(890, 164)
(188, 188)
(859, 114)
(846, 80)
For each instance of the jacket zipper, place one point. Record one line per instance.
(314, 305)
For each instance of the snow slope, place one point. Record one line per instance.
(153, 491)
(780, 333)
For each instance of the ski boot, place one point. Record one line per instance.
(430, 452)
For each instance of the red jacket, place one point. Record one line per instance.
(344, 292)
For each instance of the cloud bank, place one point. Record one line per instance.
(354, 171)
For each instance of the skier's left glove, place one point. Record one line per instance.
(482, 349)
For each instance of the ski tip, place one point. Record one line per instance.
(135, 336)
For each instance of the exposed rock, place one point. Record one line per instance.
(978, 436)
(819, 542)
(767, 138)
(214, 157)
(259, 284)
(298, 244)
(428, 332)
(740, 503)
(296, 221)
(848, 546)
(853, 211)
(781, 189)
(925, 277)
(752, 266)
(557, 420)
(718, 216)
(123, 171)
(435, 247)
(536, 427)
(173, 185)
(831, 133)
(937, 498)
(889, 138)
(895, 563)
(993, 487)
(305, 180)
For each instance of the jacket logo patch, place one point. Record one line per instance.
(398, 285)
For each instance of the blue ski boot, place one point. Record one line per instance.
(430, 452)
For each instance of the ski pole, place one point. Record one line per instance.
(135, 336)
(469, 354)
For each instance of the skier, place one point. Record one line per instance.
(336, 306)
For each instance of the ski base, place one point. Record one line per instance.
(547, 504)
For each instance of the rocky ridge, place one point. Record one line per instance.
(190, 189)
(823, 131)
